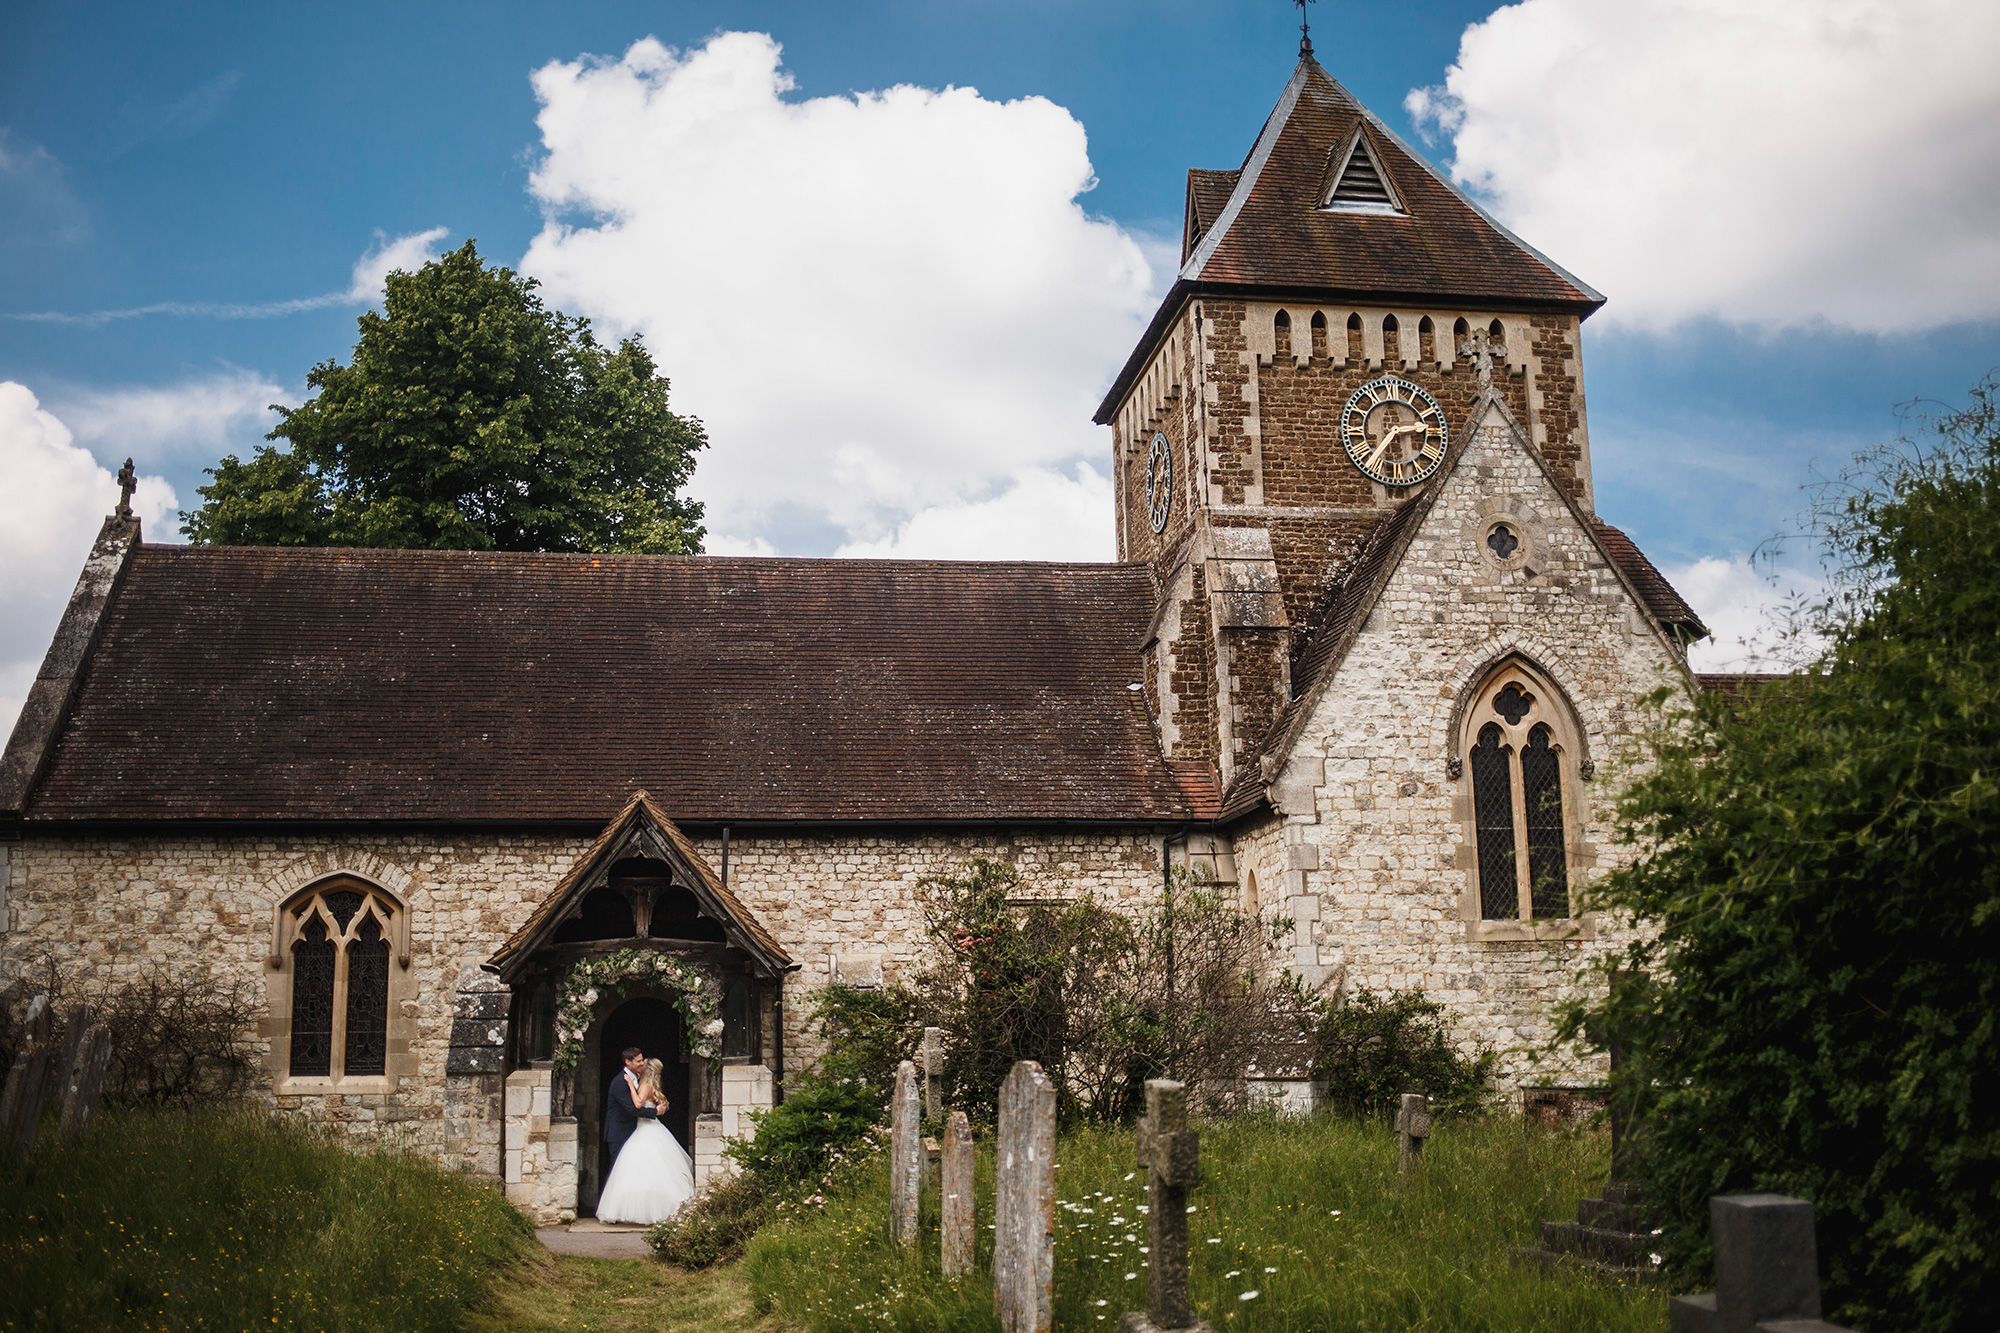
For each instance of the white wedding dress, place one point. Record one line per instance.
(651, 1179)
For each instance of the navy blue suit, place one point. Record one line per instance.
(620, 1116)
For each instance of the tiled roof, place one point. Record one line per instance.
(1735, 685)
(288, 684)
(1662, 602)
(1274, 231)
(1199, 786)
(1208, 195)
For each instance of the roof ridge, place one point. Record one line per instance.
(1253, 166)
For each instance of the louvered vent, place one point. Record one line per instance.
(1361, 185)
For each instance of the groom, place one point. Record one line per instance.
(621, 1102)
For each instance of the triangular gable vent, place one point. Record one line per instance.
(1359, 185)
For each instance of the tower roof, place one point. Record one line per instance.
(1309, 208)
(1330, 202)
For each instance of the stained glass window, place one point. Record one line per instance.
(343, 905)
(313, 958)
(1541, 786)
(1493, 808)
(367, 1000)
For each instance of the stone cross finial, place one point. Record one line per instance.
(1482, 347)
(128, 481)
(960, 1209)
(906, 1158)
(1170, 1154)
(932, 1054)
(1024, 1209)
(1413, 1126)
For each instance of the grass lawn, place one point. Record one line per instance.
(1298, 1225)
(231, 1220)
(561, 1293)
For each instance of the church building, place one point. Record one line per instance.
(469, 823)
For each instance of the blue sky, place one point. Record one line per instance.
(238, 165)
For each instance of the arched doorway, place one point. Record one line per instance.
(653, 1025)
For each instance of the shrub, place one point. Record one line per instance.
(1374, 1048)
(715, 1227)
(1815, 1013)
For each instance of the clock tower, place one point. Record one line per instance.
(1341, 313)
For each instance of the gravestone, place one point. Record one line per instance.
(74, 1028)
(1766, 1270)
(933, 1058)
(905, 1156)
(85, 1086)
(1169, 1153)
(961, 1214)
(1413, 1126)
(28, 1082)
(1024, 1208)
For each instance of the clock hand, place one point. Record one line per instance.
(1393, 434)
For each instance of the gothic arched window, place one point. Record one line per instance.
(1521, 752)
(339, 957)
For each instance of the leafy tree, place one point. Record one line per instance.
(472, 418)
(1816, 1007)
(1374, 1048)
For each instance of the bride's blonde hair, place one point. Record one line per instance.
(654, 1068)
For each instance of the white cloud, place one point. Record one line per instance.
(201, 418)
(407, 252)
(1043, 515)
(57, 497)
(881, 304)
(1745, 609)
(37, 206)
(1763, 161)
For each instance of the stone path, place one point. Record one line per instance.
(595, 1240)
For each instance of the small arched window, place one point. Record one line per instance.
(1521, 751)
(340, 982)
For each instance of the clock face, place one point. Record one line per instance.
(1159, 481)
(1393, 431)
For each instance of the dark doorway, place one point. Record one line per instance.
(655, 1027)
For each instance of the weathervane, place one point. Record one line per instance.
(1305, 34)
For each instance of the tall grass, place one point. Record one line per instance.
(1297, 1225)
(231, 1220)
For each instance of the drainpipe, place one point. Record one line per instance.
(725, 856)
(778, 1043)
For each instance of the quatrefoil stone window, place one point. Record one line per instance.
(1513, 703)
(1502, 541)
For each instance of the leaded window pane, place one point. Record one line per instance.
(312, 1001)
(343, 905)
(1541, 786)
(736, 1019)
(367, 1001)
(1493, 808)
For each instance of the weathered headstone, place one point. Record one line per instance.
(961, 1214)
(28, 1082)
(1169, 1153)
(85, 1086)
(906, 1158)
(1024, 1208)
(933, 1058)
(74, 1029)
(1413, 1126)
(1766, 1269)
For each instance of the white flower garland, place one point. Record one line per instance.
(590, 979)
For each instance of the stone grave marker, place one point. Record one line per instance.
(905, 1156)
(933, 1058)
(961, 1213)
(1024, 1209)
(28, 1082)
(85, 1086)
(1169, 1153)
(1766, 1270)
(1413, 1126)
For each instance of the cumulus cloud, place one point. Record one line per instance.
(1774, 162)
(1746, 610)
(200, 418)
(1042, 515)
(405, 252)
(57, 497)
(885, 306)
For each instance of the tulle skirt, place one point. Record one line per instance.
(650, 1180)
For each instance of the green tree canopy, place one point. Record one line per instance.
(472, 418)
(1816, 1007)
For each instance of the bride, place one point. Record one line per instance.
(652, 1176)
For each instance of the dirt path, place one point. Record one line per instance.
(569, 1292)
